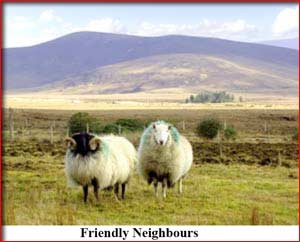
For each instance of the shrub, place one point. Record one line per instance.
(95, 126)
(209, 128)
(230, 133)
(295, 134)
(110, 129)
(78, 122)
(130, 124)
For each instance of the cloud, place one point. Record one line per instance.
(231, 29)
(48, 16)
(22, 31)
(286, 23)
(108, 25)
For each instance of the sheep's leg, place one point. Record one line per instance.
(95, 183)
(123, 190)
(180, 186)
(116, 190)
(85, 192)
(155, 184)
(164, 187)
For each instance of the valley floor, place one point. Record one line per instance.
(168, 100)
(254, 182)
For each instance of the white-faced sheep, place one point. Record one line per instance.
(100, 161)
(164, 156)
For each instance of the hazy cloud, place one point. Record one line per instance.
(48, 16)
(286, 23)
(108, 25)
(234, 29)
(48, 25)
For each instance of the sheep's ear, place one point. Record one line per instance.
(153, 126)
(95, 143)
(70, 142)
(170, 127)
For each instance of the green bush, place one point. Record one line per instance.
(78, 122)
(230, 133)
(295, 134)
(96, 126)
(209, 128)
(130, 124)
(110, 129)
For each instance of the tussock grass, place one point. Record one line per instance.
(36, 193)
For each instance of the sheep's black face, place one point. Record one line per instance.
(82, 143)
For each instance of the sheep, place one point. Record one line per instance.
(101, 161)
(164, 156)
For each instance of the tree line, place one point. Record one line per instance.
(210, 97)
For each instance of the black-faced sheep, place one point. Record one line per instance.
(103, 162)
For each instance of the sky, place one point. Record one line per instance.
(29, 24)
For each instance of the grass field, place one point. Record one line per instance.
(254, 182)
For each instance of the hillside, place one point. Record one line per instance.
(92, 54)
(286, 43)
(186, 72)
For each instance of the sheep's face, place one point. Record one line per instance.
(161, 133)
(83, 144)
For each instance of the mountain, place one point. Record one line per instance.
(184, 72)
(83, 55)
(286, 43)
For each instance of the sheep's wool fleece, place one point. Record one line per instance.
(174, 159)
(112, 164)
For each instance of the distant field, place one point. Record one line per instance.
(255, 181)
(163, 99)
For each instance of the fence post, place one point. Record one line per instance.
(119, 129)
(26, 123)
(225, 124)
(26, 126)
(10, 123)
(51, 133)
(220, 145)
(265, 127)
(87, 128)
(279, 158)
(22, 129)
(183, 125)
(68, 131)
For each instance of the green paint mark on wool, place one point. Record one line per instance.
(175, 134)
(147, 133)
(104, 148)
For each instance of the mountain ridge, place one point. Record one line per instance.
(75, 54)
(292, 43)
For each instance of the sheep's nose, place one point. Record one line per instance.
(161, 142)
